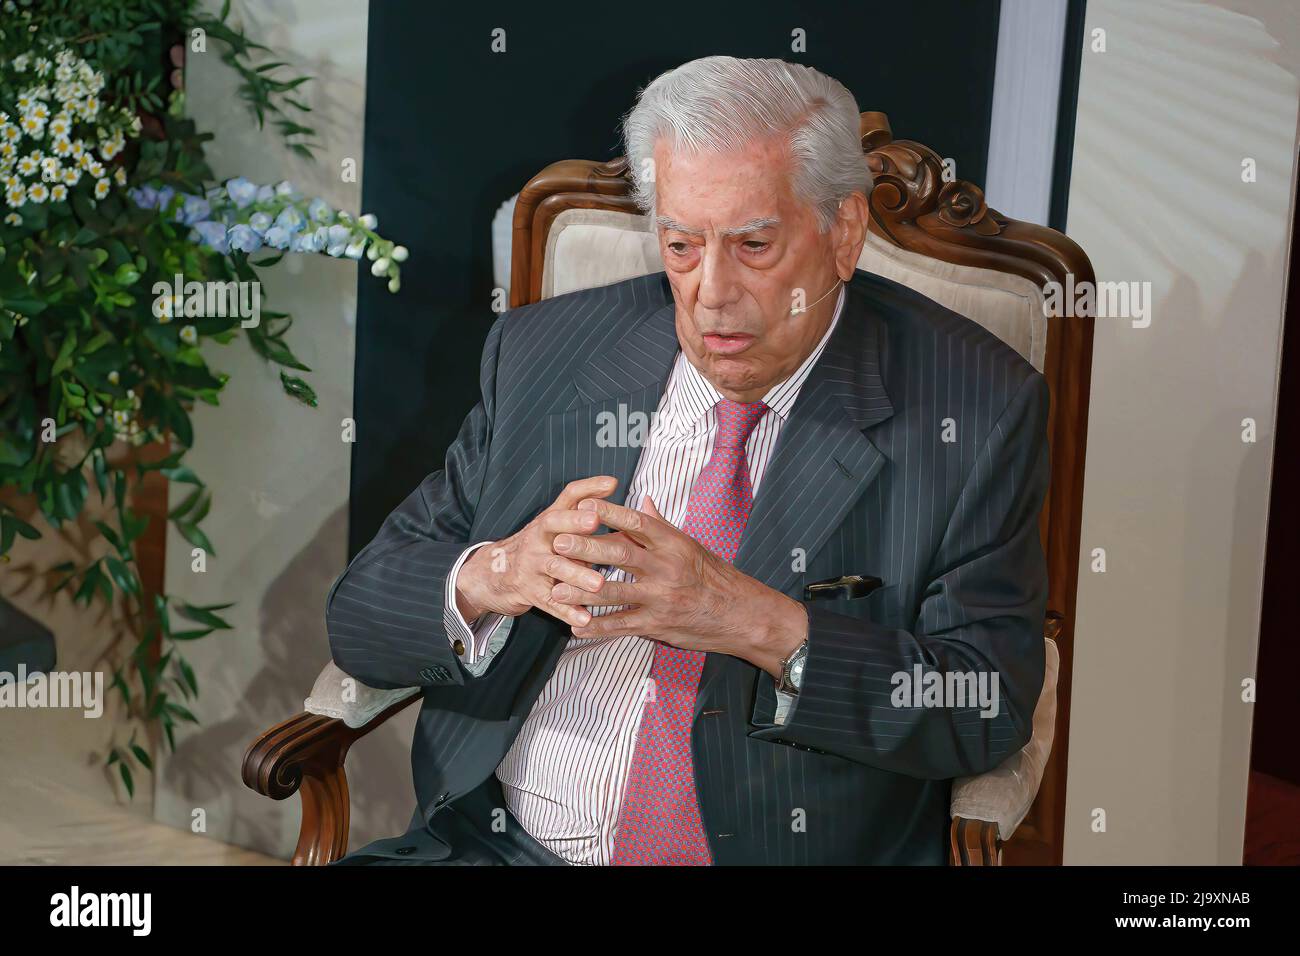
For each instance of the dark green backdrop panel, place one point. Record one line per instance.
(453, 129)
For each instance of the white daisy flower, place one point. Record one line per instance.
(13, 219)
(189, 335)
(38, 192)
(58, 192)
(15, 196)
(101, 188)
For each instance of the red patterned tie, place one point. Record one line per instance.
(659, 822)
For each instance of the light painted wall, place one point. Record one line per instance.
(279, 470)
(1159, 734)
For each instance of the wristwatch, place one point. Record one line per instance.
(792, 670)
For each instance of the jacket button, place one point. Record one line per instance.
(443, 799)
(459, 648)
(404, 850)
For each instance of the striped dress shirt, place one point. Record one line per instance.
(565, 774)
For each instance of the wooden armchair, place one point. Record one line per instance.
(939, 237)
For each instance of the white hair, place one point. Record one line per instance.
(721, 104)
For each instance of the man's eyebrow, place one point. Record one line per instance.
(672, 225)
(754, 225)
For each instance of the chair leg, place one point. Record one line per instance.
(973, 843)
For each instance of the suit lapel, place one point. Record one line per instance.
(822, 464)
(603, 430)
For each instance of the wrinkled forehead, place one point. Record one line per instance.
(729, 192)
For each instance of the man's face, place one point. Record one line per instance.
(737, 244)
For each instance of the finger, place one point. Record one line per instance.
(573, 616)
(598, 549)
(576, 522)
(540, 598)
(648, 506)
(558, 568)
(618, 624)
(611, 594)
(598, 486)
(642, 528)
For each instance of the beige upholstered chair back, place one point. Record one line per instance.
(586, 248)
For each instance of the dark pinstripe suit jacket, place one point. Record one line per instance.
(862, 481)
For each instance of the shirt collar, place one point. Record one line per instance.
(691, 395)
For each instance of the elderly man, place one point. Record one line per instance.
(714, 678)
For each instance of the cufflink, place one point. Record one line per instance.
(459, 647)
(846, 588)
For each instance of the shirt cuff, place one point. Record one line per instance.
(473, 638)
(784, 704)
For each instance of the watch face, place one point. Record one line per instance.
(796, 671)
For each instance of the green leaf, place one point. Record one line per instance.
(109, 534)
(123, 577)
(187, 675)
(194, 536)
(298, 389)
(142, 755)
(182, 474)
(64, 359)
(202, 616)
(181, 712)
(181, 509)
(126, 779)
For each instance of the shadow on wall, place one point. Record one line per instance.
(293, 651)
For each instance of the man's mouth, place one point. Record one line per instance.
(727, 343)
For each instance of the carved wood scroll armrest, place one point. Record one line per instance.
(305, 755)
(973, 843)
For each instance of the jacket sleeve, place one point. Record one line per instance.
(981, 615)
(384, 614)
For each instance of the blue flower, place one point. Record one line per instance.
(320, 210)
(265, 193)
(212, 235)
(194, 209)
(338, 238)
(305, 242)
(146, 197)
(277, 237)
(287, 190)
(241, 191)
(244, 239)
(290, 219)
(165, 195)
(260, 222)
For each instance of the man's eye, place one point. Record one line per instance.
(677, 248)
(755, 245)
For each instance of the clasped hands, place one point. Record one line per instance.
(681, 594)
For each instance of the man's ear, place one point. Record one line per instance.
(849, 233)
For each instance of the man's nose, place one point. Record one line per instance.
(718, 280)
